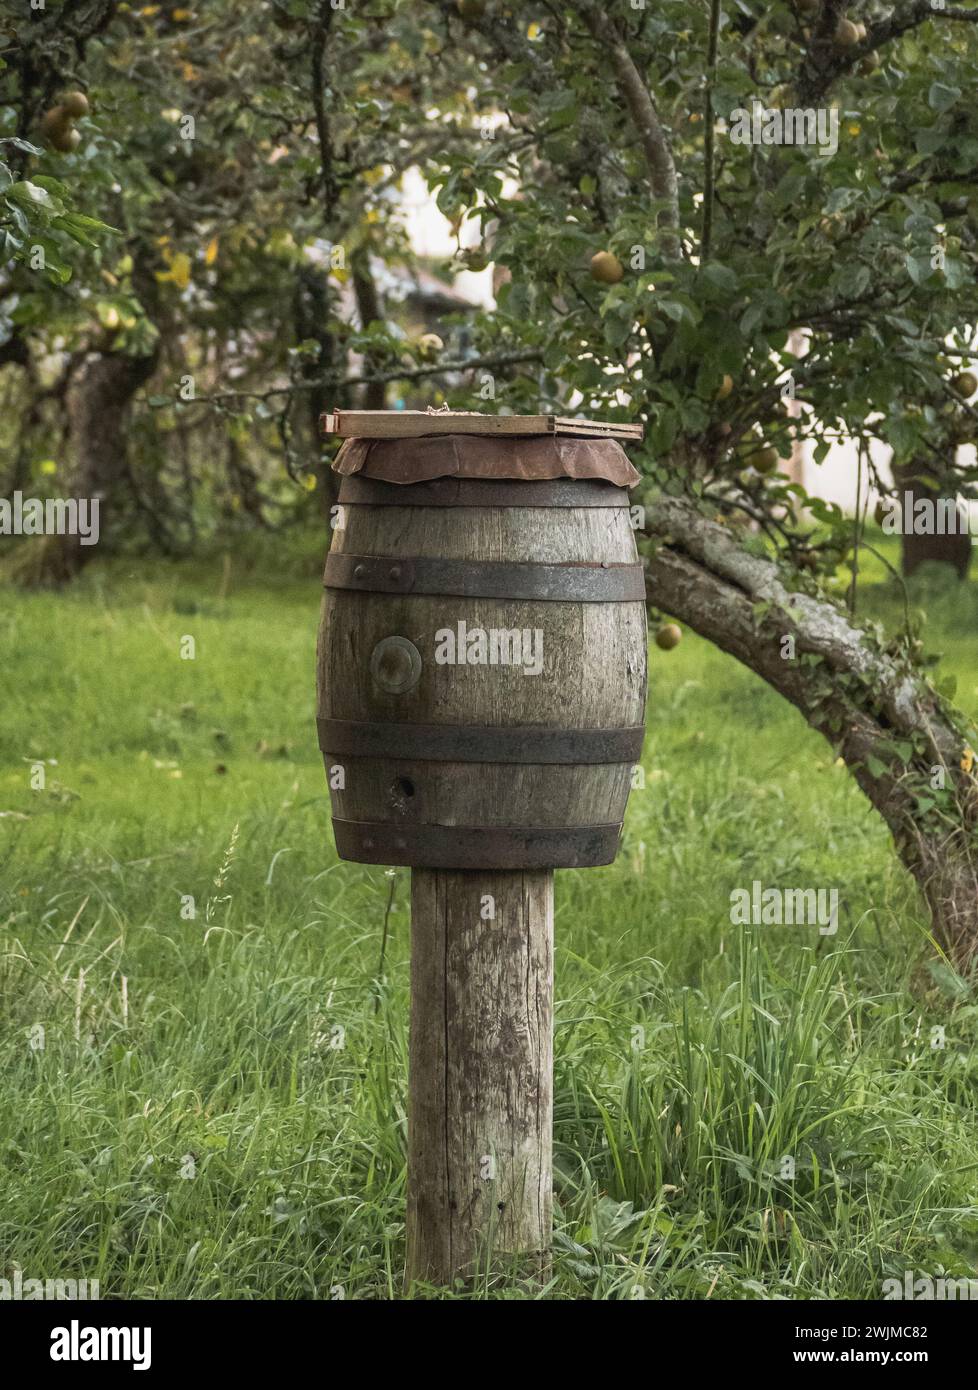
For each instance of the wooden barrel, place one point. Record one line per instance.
(481, 672)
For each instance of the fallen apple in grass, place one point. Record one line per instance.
(669, 635)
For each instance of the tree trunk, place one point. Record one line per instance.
(312, 309)
(98, 405)
(954, 550)
(370, 311)
(243, 481)
(873, 706)
(481, 1073)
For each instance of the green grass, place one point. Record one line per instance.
(189, 1129)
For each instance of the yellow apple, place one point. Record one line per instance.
(606, 268)
(846, 34)
(76, 104)
(764, 460)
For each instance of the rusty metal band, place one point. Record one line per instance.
(568, 583)
(356, 490)
(470, 743)
(476, 847)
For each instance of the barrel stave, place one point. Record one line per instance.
(590, 659)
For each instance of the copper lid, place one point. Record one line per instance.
(472, 456)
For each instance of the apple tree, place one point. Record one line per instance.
(741, 297)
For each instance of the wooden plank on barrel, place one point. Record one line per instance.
(410, 424)
(598, 429)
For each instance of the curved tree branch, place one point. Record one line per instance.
(709, 132)
(645, 117)
(823, 62)
(895, 733)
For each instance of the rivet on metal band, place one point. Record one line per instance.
(566, 583)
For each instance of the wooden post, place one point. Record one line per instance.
(481, 1072)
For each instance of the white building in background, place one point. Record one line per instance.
(835, 479)
(430, 234)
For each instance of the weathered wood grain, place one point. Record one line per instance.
(409, 424)
(593, 672)
(481, 1106)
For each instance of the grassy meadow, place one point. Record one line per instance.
(176, 1117)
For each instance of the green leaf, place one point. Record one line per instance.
(20, 144)
(55, 187)
(671, 308)
(930, 139)
(919, 268)
(842, 198)
(719, 275)
(55, 268)
(948, 981)
(941, 97)
(751, 319)
(33, 195)
(77, 226)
